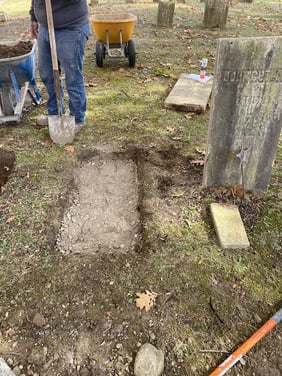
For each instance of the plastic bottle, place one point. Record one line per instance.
(203, 70)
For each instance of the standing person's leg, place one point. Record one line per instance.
(71, 47)
(46, 70)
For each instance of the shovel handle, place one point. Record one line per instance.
(54, 55)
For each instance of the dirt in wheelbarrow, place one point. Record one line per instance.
(19, 49)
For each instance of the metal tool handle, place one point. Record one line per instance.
(54, 55)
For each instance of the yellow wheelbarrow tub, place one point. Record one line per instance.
(114, 24)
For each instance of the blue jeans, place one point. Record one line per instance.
(71, 45)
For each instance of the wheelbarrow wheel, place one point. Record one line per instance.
(131, 53)
(100, 53)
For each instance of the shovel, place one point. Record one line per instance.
(61, 127)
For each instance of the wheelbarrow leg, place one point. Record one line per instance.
(12, 99)
(15, 86)
(108, 44)
(35, 96)
(19, 106)
(20, 95)
(122, 54)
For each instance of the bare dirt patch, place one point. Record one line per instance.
(104, 213)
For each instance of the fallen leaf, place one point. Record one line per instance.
(11, 219)
(69, 148)
(238, 190)
(200, 151)
(179, 193)
(190, 115)
(48, 143)
(146, 300)
(170, 129)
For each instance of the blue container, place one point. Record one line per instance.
(22, 67)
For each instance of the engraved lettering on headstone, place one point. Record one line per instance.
(246, 111)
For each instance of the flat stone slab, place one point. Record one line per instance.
(228, 225)
(189, 95)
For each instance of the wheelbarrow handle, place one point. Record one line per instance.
(54, 55)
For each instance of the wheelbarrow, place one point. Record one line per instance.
(17, 79)
(113, 31)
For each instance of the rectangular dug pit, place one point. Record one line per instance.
(103, 215)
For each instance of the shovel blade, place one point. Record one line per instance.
(61, 129)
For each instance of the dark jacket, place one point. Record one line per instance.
(66, 13)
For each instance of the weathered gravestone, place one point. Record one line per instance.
(165, 13)
(3, 17)
(246, 112)
(215, 14)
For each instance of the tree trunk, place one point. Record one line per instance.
(215, 14)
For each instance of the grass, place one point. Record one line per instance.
(180, 259)
(16, 8)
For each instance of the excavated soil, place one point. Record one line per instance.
(7, 160)
(19, 49)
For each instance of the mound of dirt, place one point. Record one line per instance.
(19, 49)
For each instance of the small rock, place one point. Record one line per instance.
(29, 371)
(39, 320)
(38, 356)
(149, 361)
(85, 372)
(17, 371)
(257, 318)
(5, 370)
(10, 362)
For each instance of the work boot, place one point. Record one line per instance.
(42, 122)
(78, 127)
